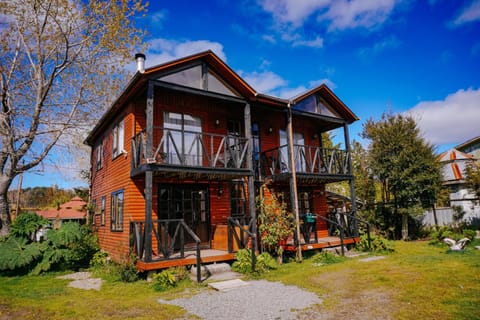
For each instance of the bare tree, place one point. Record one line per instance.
(60, 62)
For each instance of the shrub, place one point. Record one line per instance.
(378, 244)
(243, 262)
(275, 224)
(70, 247)
(327, 258)
(26, 225)
(164, 280)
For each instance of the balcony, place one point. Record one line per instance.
(311, 163)
(190, 152)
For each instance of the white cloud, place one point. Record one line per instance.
(164, 50)
(293, 11)
(270, 83)
(449, 121)
(388, 43)
(264, 82)
(345, 14)
(340, 14)
(315, 43)
(469, 14)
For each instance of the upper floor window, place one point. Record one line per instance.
(118, 139)
(316, 104)
(116, 211)
(201, 77)
(99, 162)
(102, 210)
(183, 144)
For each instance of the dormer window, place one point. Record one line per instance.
(316, 104)
(201, 77)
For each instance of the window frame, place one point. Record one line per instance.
(118, 139)
(116, 210)
(103, 206)
(99, 159)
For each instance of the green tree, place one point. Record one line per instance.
(404, 163)
(61, 62)
(364, 181)
(472, 177)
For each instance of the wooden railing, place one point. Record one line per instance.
(189, 148)
(170, 238)
(240, 233)
(307, 159)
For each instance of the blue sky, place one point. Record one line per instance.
(418, 57)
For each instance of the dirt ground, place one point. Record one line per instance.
(368, 304)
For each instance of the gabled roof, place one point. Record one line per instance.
(454, 164)
(73, 209)
(137, 83)
(454, 154)
(326, 93)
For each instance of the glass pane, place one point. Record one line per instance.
(189, 77)
(216, 84)
(325, 110)
(307, 105)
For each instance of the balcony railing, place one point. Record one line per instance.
(192, 149)
(307, 159)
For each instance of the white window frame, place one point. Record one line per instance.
(118, 139)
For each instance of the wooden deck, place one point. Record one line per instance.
(324, 242)
(211, 255)
(207, 256)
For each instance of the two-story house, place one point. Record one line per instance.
(180, 156)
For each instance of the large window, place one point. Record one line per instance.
(298, 151)
(118, 139)
(316, 104)
(238, 199)
(183, 145)
(200, 77)
(116, 211)
(99, 162)
(102, 210)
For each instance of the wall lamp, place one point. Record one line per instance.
(220, 191)
(315, 136)
(217, 123)
(269, 130)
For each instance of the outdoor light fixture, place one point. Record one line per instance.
(217, 123)
(220, 191)
(315, 136)
(269, 130)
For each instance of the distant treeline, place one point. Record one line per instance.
(44, 197)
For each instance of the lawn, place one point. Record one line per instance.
(417, 281)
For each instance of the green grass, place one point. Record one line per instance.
(417, 281)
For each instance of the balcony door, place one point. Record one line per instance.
(183, 145)
(298, 150)
(187, 202)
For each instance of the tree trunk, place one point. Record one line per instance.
(404, 227)
(5, 219)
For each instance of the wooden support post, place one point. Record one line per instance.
(353, 203)
(251, 184)
(293, 179)
(149, 174)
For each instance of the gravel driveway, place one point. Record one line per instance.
(260, 299)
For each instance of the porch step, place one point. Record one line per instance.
(215, 272)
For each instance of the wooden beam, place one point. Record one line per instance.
(353, 201)
(149, 173)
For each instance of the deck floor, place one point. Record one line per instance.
(212, 255)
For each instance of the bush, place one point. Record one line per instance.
(443, 232)
(27, 225)
(378, 244)
(243, 263)
(169, 278)
(70, 247)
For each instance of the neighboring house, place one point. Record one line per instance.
(73, 210)
(471, 147)
(180, 156)
(454, 163)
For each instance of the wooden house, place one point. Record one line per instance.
(180, 156)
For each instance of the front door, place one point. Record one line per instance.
(190, 203)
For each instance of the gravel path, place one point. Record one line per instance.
(260, 299)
